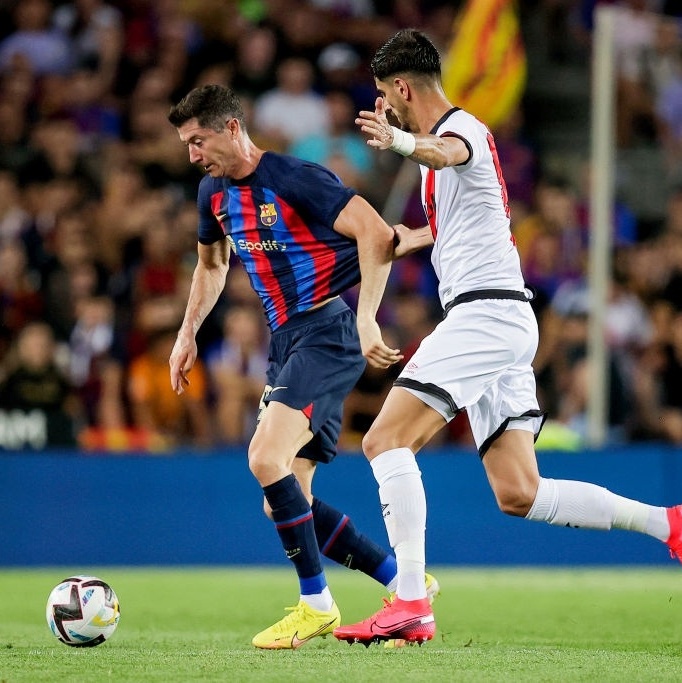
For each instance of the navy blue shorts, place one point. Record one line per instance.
(315, 361)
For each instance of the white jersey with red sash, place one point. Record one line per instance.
(467, 210)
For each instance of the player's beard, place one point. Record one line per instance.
(393, 120)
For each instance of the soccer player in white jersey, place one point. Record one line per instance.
(479, 357)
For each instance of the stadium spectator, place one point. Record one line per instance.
(292, 109)
(340, 146)
(158, 271)
(659, 399)
(634, 34)
(35, 44)
(550, 243)
(155, 407)
(20, 298)
(255, 61)
(97, 120)
(94, 370)
(14, 220)
(37, 387)
(236, 365)
(341, 68)
(120, 214)
(95, 32)
(59, 157)
(71, 273)
(152, 146)
(563, 362)
(15, 151)
(275, 211)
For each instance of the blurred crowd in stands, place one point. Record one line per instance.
(98, 219)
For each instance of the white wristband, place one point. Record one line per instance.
(404, 143)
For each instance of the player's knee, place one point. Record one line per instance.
(379, 439)
(515, 500)
(261, 466)
(267, 509)
(375, 442)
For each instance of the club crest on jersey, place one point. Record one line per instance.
(268, 214)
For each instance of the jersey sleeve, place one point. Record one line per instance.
(315, 191)
(468, 130)
(209, 230)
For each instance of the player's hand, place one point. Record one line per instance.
(376, 125)
(401, 241)
(374, 349)
(181, 361)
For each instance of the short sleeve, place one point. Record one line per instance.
(209, 230)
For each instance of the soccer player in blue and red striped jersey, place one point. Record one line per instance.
(303, 238)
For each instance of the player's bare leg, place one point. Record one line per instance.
(512, 471)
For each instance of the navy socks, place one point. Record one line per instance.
(340, 541)
(294, 523)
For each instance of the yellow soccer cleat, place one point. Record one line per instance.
(432, 588)
(303, 623)
(432, 592)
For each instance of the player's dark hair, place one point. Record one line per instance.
(408, 51)
(211, 105)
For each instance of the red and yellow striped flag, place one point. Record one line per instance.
(484, 70)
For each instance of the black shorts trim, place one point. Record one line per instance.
(478, 294)
(498, 432)
(428, 388)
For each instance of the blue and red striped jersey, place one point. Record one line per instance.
(279, 221)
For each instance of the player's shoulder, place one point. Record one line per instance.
(290, 165)
(457, 118)
(290, 176)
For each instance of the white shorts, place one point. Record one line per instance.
(479, 359)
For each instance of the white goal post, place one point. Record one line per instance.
(602, 161)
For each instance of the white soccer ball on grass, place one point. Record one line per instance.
(82, 611)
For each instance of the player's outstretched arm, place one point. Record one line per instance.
(208, 282)
(432, 151)
(374, 238)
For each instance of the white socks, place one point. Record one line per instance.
(320, 601)
(403, 505)
(578, 504)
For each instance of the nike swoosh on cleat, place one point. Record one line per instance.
(407, 622)
(297, 642)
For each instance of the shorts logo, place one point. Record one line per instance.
(268, 214)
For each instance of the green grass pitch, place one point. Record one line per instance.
(509, 624)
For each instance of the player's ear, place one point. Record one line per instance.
(402, 87)
(233, 126)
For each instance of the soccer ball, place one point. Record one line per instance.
(82, 611)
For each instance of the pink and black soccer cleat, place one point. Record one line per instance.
(674, 541)
(408, 620)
